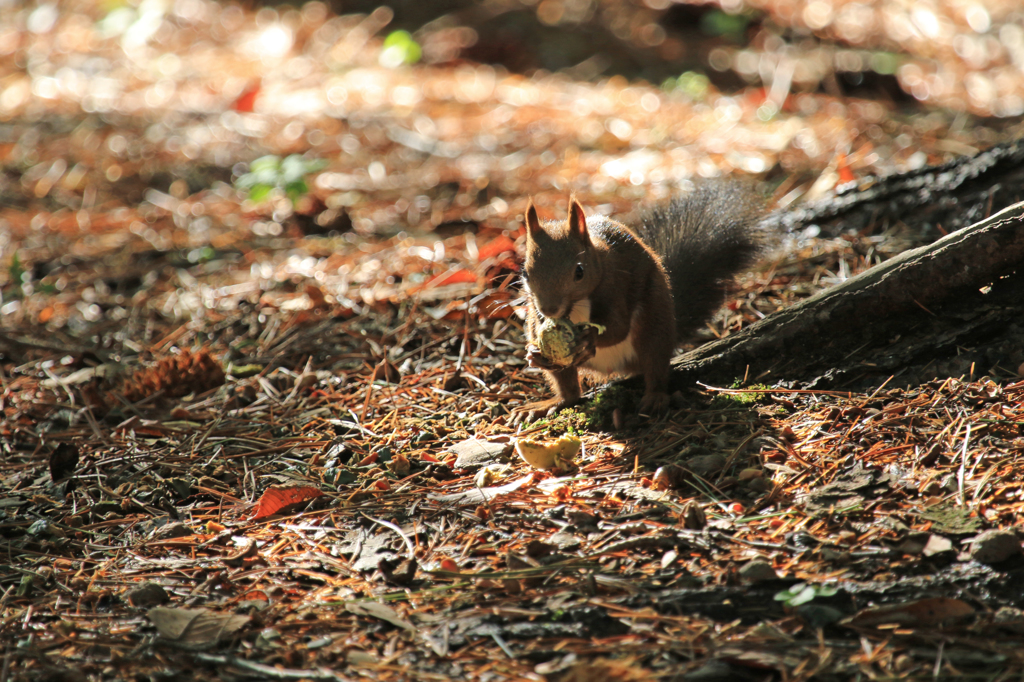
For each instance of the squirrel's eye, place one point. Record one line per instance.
(579, 272)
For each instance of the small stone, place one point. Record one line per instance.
(1009, 617)
(397, 571)
(147, 595)
(937, 545)
(668, 477)
(565, 542)
(758, 485)
(386, 372)
(618, 421)
(399, 465)
(454, 383)
(834, 556)
(692, 516)
(994, 546)
(749, 474)
(758, 570)
(705, 465)
(819, 615)
(475, 453)
(914, 543)
(582, 519)
(715, 671)
(929, 458)
(172, 530)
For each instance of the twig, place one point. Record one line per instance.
(271, 672)
(963, 466)
(388, 524)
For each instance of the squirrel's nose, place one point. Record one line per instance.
(550, 311)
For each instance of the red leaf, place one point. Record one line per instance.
(496, 247)
(277, 500)
(453, 277)
(246, 102)
(496, 306)
(844, 170)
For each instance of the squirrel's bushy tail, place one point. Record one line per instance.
(704, 238)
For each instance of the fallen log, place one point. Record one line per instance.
(932, 200)
(914, 303)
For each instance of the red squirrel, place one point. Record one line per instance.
(648, 287)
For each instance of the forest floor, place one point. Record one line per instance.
(261, 426)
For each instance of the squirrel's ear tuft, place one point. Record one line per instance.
(577, 220)
(533, 227)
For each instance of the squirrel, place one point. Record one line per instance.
(649, 287)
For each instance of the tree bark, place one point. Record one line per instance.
(931, 200)
(911, 304)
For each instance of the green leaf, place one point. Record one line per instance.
(292, 168)
(266, 164)
(885, 63)
(259, 192)
(263, 177)
(271, 172)
(265, 170)
(803, 596)
(801, 593)
(245, 181)
(788, 594)
(296, 167)
(400, 48)
(719, 23)
(694, 84)
(17, 273)
(295, 190)
(15, 270)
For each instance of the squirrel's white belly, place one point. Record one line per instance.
(617, 359)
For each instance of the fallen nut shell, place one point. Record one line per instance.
(549, 455)
(556, 340)
(489, 474)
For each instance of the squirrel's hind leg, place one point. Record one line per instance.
(656, 327)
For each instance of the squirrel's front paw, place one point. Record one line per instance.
(654, 402)
(586, 348)
(534, 358)
(545, 408)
